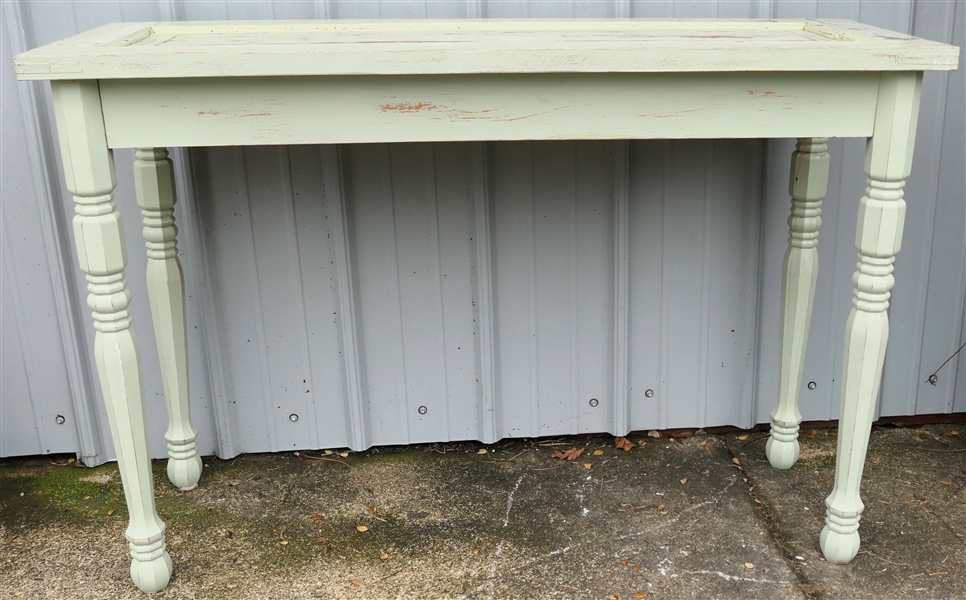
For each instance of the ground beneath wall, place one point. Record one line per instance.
(696, 517)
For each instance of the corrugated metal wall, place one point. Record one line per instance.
(501, 286)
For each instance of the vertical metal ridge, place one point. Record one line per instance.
(41, 150)
(572, 301)
(21, 339)
(474, 10)
(532, 304)
(203, 282)
(834, 366)
(925, 268)
(665, 320)
(404, 401)
(292, 238)
(353, 365)
(705, 331)
(621, 415)
(265, 371)
(622, 9)
(444, 380)
(490, 429)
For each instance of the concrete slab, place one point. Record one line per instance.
(669, 519)
(913, 529)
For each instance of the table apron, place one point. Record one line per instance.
(251, 111)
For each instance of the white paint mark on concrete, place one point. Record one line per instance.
(727, 577)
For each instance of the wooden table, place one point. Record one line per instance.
(153, 85)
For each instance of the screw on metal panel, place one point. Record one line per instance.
(933, 379)
(60, 420)
(594, 402)
(649, 393)
(812, 385)
(293, 417)
(423, 410)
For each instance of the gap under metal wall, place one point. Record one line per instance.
(509, 289)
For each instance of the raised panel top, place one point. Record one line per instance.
(276, 48)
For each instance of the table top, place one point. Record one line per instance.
(336, 47)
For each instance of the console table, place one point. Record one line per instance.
(153, 85)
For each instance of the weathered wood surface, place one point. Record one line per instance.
(251, 49)
(486, 107)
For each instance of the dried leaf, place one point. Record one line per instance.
(624, 444)
(11, 538)
(654, 433)
(344, 454)
(664, 512)
(683, 481)
(572, 454)
(640, 595)
(736, 461)
(70, 461)
(749, 565)
(935, 437)
(954, 433)
(372, 510)
(743, 437)
(673, 441)
(598, 452)
(810, 434)
(110, 512)
(355, 581)
(637, 567)
(661, 507)
(481, 451)
(625, 562)
(383, 556)
(326, 549)
(362, 528)
(944, 482)
(613, 597)
(86, 498)
(704, 444)
(475, 551)
(283, 543)
(316, 517)
(588, 465)
(329, 452)
(923, 435)
(319, 540)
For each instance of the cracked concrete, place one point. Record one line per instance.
(672, 519)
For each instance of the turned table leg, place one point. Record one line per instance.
(154, 183)
(807, 185)
(89, 167)
(888, 162)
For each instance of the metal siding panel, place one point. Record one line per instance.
(369, 177)
(512, 197)
(648, 165)
(323, 391)
(693, 213)
(940, 185)
(593, 268)
(459, 317)
(683, 282)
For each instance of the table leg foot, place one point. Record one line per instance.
(782, 448)
(840, 537)
(150, 565)
(184, 465)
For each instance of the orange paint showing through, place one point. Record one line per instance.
(405, 107)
